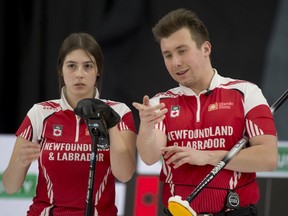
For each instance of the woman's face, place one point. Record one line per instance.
(79, 73)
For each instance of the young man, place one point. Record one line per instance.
(193, 126)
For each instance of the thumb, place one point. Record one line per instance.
(136, 105)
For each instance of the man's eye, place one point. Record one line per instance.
(182, 51)
(167, 56)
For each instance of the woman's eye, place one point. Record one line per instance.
(71, 65)
(88, 66)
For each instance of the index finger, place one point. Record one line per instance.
(146, 100)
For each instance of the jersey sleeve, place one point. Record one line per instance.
(127, 120)
(259, 119)
(31, 126)
(25, 130)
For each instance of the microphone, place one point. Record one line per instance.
(208, 92)
(97, 127)
(95, 121)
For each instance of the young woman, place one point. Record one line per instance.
(52, 134)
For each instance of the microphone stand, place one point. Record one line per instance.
(100, 139)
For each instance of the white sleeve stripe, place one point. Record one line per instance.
(253, 129)
(26, 133)
(123, 126)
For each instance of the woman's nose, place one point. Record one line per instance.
(79, 72)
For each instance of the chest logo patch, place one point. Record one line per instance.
(175, 111)
(213, 107)
(220, 106)
(57, 130)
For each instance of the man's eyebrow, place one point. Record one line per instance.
(177, 48)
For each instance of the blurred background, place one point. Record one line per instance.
(249, 41)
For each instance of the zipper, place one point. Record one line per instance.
(77, 128)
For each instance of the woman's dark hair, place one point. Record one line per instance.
(87, 43)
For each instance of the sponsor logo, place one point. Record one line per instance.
(282, 159)
(213, 107)
(220, 105)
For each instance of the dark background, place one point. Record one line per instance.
(249, 41)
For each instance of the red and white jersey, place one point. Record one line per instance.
(214, 120)
(65, 158)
